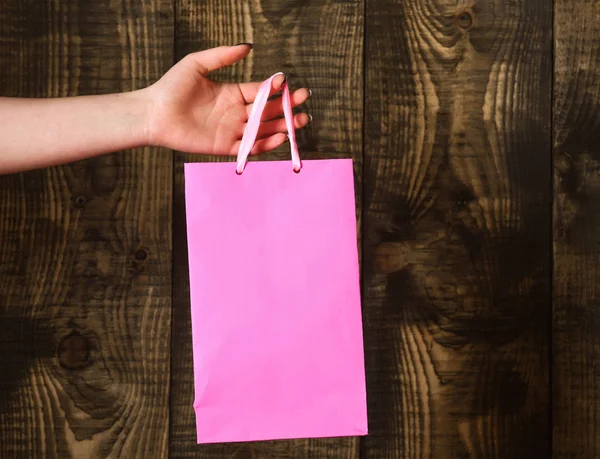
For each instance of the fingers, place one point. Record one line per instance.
(269, 128)
(249, 90)
(272, 134)
(274, 108)
(262, 145)
(268, 144)
(216, 58)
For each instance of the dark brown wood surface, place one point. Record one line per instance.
(85, 262)
(457, 228)
(446, 109)
(576, 374)
(318, 45)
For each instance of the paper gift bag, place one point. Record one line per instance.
(275, 298)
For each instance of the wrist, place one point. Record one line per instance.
(141, 108)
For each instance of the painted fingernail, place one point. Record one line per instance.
(251, 45)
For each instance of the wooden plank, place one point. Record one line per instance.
(576, 377)
(85, 265)
(318, 45)
(457, 228)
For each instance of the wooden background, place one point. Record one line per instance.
(474, 126)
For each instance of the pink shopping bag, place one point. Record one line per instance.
(275, 298)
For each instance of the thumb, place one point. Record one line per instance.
(216, 58)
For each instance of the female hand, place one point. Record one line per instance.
(191, 113)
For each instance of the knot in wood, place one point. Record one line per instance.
(80, 201)
(464, 20)
(74, 351)
(141, 254)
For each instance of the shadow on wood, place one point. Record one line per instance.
(457, 228)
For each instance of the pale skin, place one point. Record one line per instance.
(184, 111)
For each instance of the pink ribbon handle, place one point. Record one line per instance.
(254, 123)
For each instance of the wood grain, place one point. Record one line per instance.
(576, 376)
(457, 228)
(318, 45)
(85, 262)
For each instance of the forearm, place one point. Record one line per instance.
(43, 132)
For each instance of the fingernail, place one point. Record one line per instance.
(310, 118)
(310, 93)
(251, 45)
